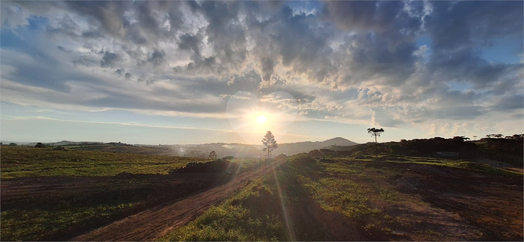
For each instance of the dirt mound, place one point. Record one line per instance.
(209, 167)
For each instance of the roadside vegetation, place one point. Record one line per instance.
(251, 215)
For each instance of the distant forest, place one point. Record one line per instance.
(509, 148)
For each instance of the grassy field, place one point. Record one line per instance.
(35, 162)
(349, 198)
(392, 198)
(66, 212)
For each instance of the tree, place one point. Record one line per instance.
(375, 132)
(213, 155)
(12, 144)
(460, 138)
(269, 142)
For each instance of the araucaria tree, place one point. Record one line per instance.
(375, 132)
(213, 155)
(269, 142)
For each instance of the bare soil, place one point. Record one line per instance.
(158, 221)
(458, 204)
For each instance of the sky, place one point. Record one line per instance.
(186, 72)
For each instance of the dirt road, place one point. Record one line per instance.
(160, 220)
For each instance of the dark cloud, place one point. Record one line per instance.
(267, 68)
(460, 30)
(109, 59)
(110, 15)
(510, 103)
(119, 71)
(363, 15)
(60, 48)
(157, 57)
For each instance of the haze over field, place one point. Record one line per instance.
(182, 72)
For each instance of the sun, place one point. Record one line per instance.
(261, 119)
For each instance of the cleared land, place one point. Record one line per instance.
(298, 198)
(368, 199)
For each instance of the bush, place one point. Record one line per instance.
(211, 167)
(281, 157)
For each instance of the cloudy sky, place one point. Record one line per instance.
(202, 71)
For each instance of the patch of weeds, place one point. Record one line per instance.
(248, 216)
(37, 224)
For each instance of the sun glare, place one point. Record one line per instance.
(261, 119)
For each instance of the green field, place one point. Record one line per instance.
(359, 197)
(36, 162)
(37, 218)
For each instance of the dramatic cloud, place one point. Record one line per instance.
(387, 63)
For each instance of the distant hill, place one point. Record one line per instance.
(338, 141)
(244, 150)
(203, 150)
(300, 147)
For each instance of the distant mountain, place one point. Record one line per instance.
(224, 149)
(246, 151)
(300, 147)
(338, 141)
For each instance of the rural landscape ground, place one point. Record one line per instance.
(352, 194)
(133, 120)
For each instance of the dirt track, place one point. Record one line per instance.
(159, 220)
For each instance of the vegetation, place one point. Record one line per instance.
(270, 143)
(371, 196)
(32, 162)
(251, 215)
(213, 155)
(375, 133)
(506, 150)
(367, 193)
(43, 224)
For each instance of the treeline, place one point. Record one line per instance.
(509, 148)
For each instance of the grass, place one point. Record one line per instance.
(454, 163)
(351, 189)
(61, 214)
(34, 162)
(38, 224)
(240, 218)
(357, 188)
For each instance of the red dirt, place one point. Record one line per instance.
(160, 220)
